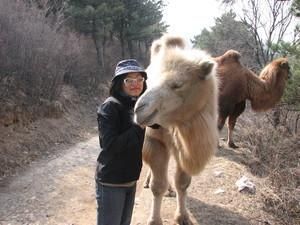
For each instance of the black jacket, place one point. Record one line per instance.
(121, 142)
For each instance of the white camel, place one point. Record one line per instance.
(182, 98)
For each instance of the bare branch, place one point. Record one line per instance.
(268, 21)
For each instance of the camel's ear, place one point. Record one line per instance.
(155, 47)
(206, 69)
(284, 65)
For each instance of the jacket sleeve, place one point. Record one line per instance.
(109, 124)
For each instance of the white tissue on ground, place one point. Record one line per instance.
(244, 184)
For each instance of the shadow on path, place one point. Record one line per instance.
(203, 212)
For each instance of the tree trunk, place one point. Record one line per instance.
(103, 53)
(98, 51)
(130, 48)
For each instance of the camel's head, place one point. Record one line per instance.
(180, 83)
(276, 72)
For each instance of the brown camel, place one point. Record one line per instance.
(238, 84)
(182, 98)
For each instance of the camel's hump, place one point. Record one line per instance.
(230, 55)
(167, 41)
(173, 41)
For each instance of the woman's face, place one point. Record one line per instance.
(133, 84)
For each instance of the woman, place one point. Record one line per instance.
(121, 140)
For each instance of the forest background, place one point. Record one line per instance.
(57, 58)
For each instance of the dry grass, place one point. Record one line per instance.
(277, 152)
(21, 144)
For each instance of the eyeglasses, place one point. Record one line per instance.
(130, 81)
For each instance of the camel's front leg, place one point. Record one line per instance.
(157, 157)
(169, 193)
(221, 123)
(159, 185)
(182, 182)
(147, 180)
(238, 110)
(231, 124)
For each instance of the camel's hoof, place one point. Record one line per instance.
(183, 220)
(232, 145)
(155, 222)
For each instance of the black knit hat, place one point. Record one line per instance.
(129, 66)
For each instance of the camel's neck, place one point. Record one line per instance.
(196, 141)
(263, 93)
(255, 86)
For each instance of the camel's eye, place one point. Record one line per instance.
(176, 85)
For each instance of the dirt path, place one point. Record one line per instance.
(60, 191)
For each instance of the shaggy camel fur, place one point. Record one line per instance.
(238, 84)
(182, 98)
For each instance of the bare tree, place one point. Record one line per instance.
(268, 21)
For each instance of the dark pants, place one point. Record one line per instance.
(115, 204)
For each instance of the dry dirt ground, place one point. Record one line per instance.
(59, 190)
